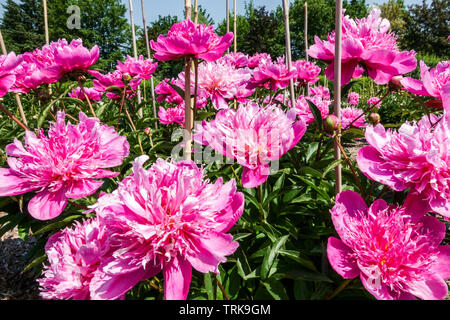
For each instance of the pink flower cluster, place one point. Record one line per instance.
(272, 75)
(44, 66)
(222, 82)
(253, 135)
(127, 76)
(307, 72)
(63, 165)
(166, 218)
(81, 94)
(366, 45)
(303, 110)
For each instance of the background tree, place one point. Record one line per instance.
(428, 28)
(397, 14)
(102, 23)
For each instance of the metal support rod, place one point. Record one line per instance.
(147, 45)
(337, 92)
(235, 27)
(228, 20)
(288, 49)
(133, 35)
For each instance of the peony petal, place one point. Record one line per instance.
(416, 206)
(108, 286)
(11, 184)
(376, 288)
(341, 260)
(47, 205)
(83, 188)
(212, 250)
(177, 278)
(433, 288)
(348, 203)
(442, 266)
(252, 178)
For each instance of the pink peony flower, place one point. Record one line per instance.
(92, 94)
(167, 93)
(74, 255)
(252, 135)
(114, 83)
(365, 42)
(28, 77)
(172, 115)
(165, 218)
(321, 91)
(374, 101)
(137, 67)
(63, 165)
(353, 98)
(222, 82)
(416, 157)
(7, 75)
(303, 111)
(349, 114)
(307, 71)
(237, 60)
(259, 59)
(396, 257)
(184, 39)
(59, 58)
(432, 82)
(272, 76)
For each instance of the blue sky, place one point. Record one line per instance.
(216, 8)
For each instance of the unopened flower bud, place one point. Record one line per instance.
(374, 118)
(331, 123)
(395, 83)
(148, 131)
(126, 77)
(82, 79)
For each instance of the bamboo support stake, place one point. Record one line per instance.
(47, 38)
(147, 44)
(188, 111)
(288, 49)
(337, 92)
(18, 101)
(133, 36)
(235, 27)
(306, 31)
(196, 12)
(228, 20)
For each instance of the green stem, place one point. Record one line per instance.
(341, 287)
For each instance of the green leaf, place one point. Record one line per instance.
(276, 289)
(316, 113)
(296, 256)
(209, 286)
(324, 195)
(58, 225)
(35, 262)
(271, 254)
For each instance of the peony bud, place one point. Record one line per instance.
(126, 77)
(374, 118)
(395, 83)
(331, 123)
(148, 131)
